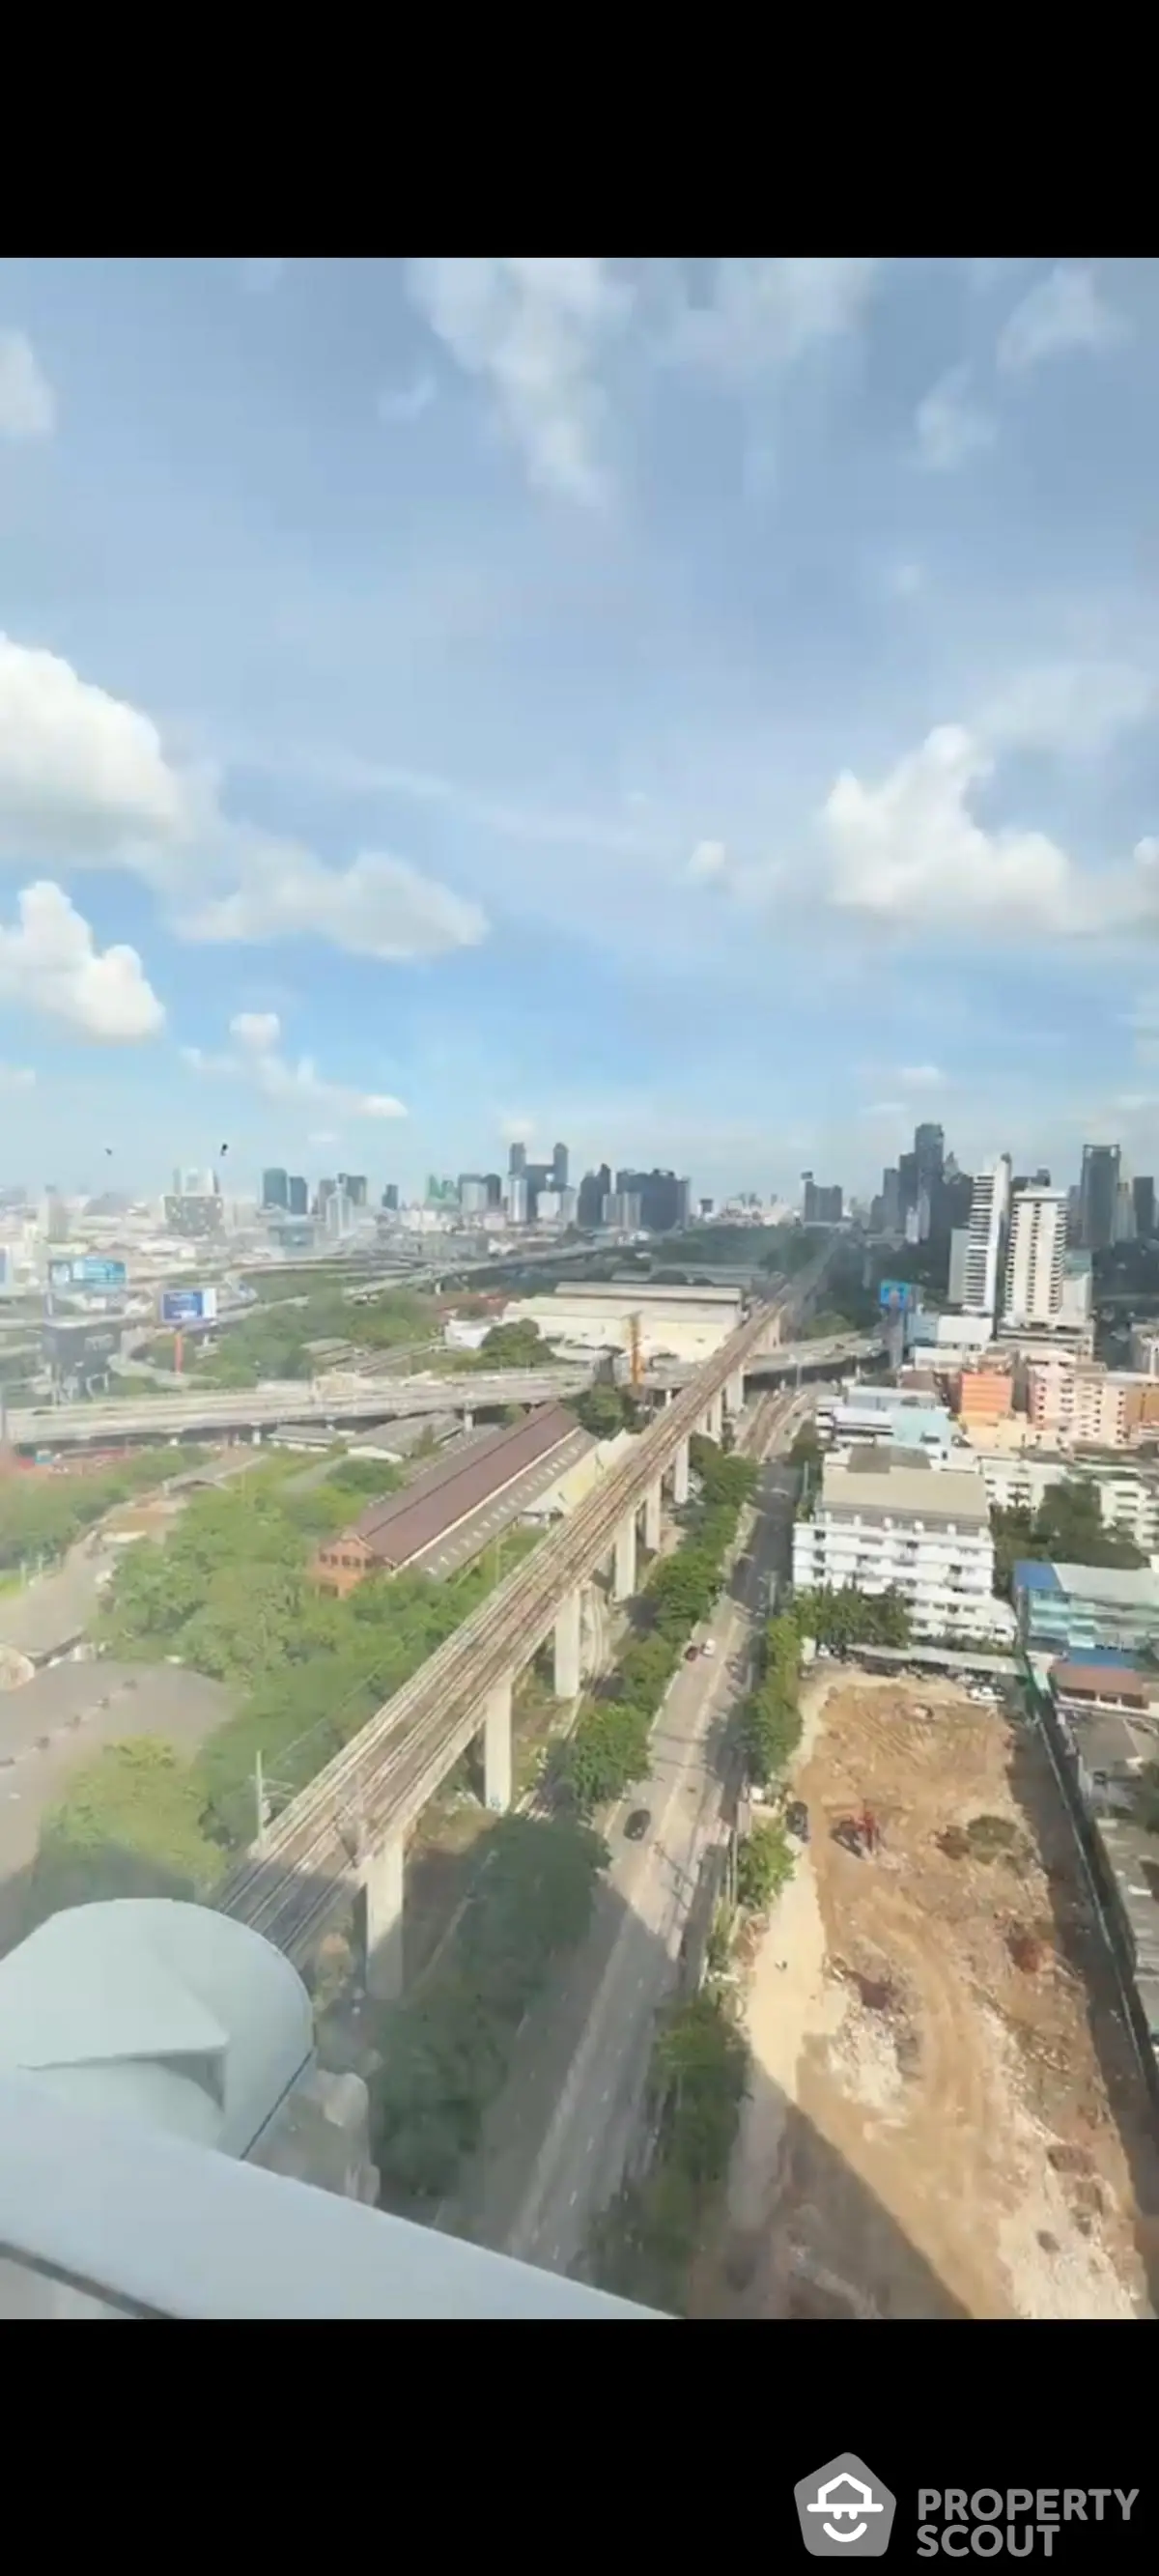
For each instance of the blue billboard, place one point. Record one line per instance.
(94, 1271)
(896, 1296)
(188, 1305)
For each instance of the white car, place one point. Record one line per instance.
(708, 1648)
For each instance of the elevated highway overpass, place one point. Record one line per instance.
(346, 1833)
(843, 1350)
(294, 1400)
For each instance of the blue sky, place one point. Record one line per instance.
(704, 710)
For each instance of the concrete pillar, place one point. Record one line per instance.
(497, 1749)
(382, 1882)
(652, 1518)
(680, 1474)
(716, 1417)
(624, 1579)
(567, 1647)
(734, 1393)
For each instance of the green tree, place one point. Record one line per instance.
(602, 1411)
(129, 1824)
(765, 1864)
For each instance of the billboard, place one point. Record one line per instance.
(60, 1274)
(93, 1270)
(896, 1296)
(188, 1305)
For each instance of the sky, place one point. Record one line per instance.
(701, 710)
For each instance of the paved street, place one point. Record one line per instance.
(557, 2142)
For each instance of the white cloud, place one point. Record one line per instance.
(1063, 311)
(892, 1109)
(709, 859)
(27, 401)
(983, 275)
(407, 403)
(49, 961)
(376, 907)
(951, 426)
(910, 852)
(322, 1136)
(256, 1059)
(516, 1127)
(765, 313)
(533, 332)
(906, 581)
(81, 773)
(921, 1077)
(259, 275)
(17, 1077)
(1072, 706)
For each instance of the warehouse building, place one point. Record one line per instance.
(446, 1515)
(673, 1323)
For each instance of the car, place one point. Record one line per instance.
(797, 1819)
(637, 1824)
(708, 1648)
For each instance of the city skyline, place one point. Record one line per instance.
(723, 729)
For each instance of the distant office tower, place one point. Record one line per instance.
(989, 1213)
(559, 1167)
(473, 1193)
(338, 1214)
(820, 1203)
(390, 1198)
(959, 1245)
(663, 1199)
(593, 1190)
(929, 1161)
(354, 1184)
(907, 1172)
(704, 1207)
(556, 1207)
(494, 1189)
(623, 1211)
(891, 1207)
(299, 1196)
(1143, 1192)
(1099, 1196)
(1034, 1263)
(808, 1199)
(1077, 1289)
(517, 1159)
(275, 1189)
(517, 1198)
(1124, 1211)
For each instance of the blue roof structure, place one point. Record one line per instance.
(1035, 1574)
(1117, 1656)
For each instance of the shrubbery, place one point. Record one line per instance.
(642, 2246)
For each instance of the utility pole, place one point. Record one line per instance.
(260, 1801)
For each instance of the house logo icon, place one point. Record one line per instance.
(845, 2512)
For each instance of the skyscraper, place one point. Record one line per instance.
(517, 1159)
(390, 1198)
(559, 1167)
(1034, 1265)
(1098, 1196)
(298, 1201)
(985, 1248)
(891, 1208)
(1144, 1202)
(275, 1189)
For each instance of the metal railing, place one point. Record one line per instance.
(311, 1858)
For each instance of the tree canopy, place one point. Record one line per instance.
(842, 1617)
(1067, 1529)
(44, 1512)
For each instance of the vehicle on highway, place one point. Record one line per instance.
(797, 1819)
(708, 1648)
(637, 1824)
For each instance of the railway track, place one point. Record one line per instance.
(311, 1859)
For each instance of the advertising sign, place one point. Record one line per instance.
(60, 1274)
(94, 1271)
(188, 1305)
(5, 1275)
(896, 1296)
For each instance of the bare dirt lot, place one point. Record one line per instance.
(945, 2116)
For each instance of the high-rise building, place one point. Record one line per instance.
(891, 1206)
(1124, 1211)
(494, 1189)
(354, 1184)
(298, 1201)
(623, 1211)
(1099, 1196)
(275, 1189)
(559, 1167)
(593, 1190)
(907, 1173)
(517, 1159)
(1034, 1262)
(985, 1250)
(473, 1193)
(663, 1199)
(959, 1246)
(929, 1160)
(390, 1198)
(517, 1197)
(1143, 1192)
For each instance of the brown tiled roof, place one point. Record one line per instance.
(1105, 1681)
(397, 1528)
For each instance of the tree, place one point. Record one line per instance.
(1068, 1528)
(129, 1824)
(843, 1617)
(602, 1411)
(765, 1864)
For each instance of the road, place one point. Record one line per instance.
(557, 2145)
(220, 1410)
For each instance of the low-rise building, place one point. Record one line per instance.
(983, 1396)
(459, 1492)
(1109, 1722)
(1128, 1496)
(883, 1417)
(1059, 1607)
(892, 1521)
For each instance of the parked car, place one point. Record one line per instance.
(637, 1824)
(708, 1648)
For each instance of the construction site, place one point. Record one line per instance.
(945, 2115)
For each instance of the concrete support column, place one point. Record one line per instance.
(567, 1647)
(716, 1417)
(382, 1882)
(652, 1517)
(497, 1749)
(669, 1396)
(680, 1474)
(734, 1393)
(624, 1579)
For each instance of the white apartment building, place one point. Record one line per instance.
(1128, 1498)
(1080, 1400)
(1034, 1264)
(989, 1213)
(1145, 1349)
(887, 1523)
